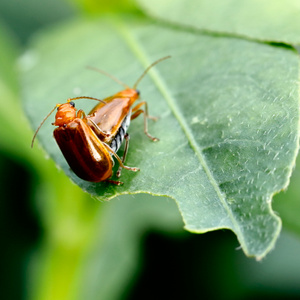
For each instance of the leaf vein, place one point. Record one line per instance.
(135, 47)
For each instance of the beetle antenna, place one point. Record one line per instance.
(57, 105)
(110, 76)
(85, 97)
(52, 110)
(145, 72)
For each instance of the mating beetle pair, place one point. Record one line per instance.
(88, 142)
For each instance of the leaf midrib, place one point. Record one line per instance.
(138, 51)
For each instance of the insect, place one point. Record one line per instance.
(88, 142)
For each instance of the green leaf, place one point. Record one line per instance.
(99, 6)
(287, 203)
(228, 117)
(268, 20)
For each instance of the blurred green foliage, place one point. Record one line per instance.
(58, 243)
(93, 7)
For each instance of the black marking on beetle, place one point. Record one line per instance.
(119, 137)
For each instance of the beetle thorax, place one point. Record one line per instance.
(66, 113)
(133, 94)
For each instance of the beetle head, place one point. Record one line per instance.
(66, 113)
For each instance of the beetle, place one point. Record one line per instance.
(88, 142)
(88, 157)
(114, 116)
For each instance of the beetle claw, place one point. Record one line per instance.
(154, 139)
(116, 182)
(118, 174)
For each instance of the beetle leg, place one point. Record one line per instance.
(80, 114)
(99, 132)
(137, 112)
(126, 136)
(134, 169)
(138, 106)
(114, 182)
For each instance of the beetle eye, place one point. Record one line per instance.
(137, 91)
(72, 103)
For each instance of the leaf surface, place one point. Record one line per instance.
(267, 20)
(228, 117)
(287, 203)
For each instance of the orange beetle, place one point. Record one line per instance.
(89, 142)
(114, 116)
(89, 158)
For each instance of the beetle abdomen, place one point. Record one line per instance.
(84, 152)
(119, 137)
